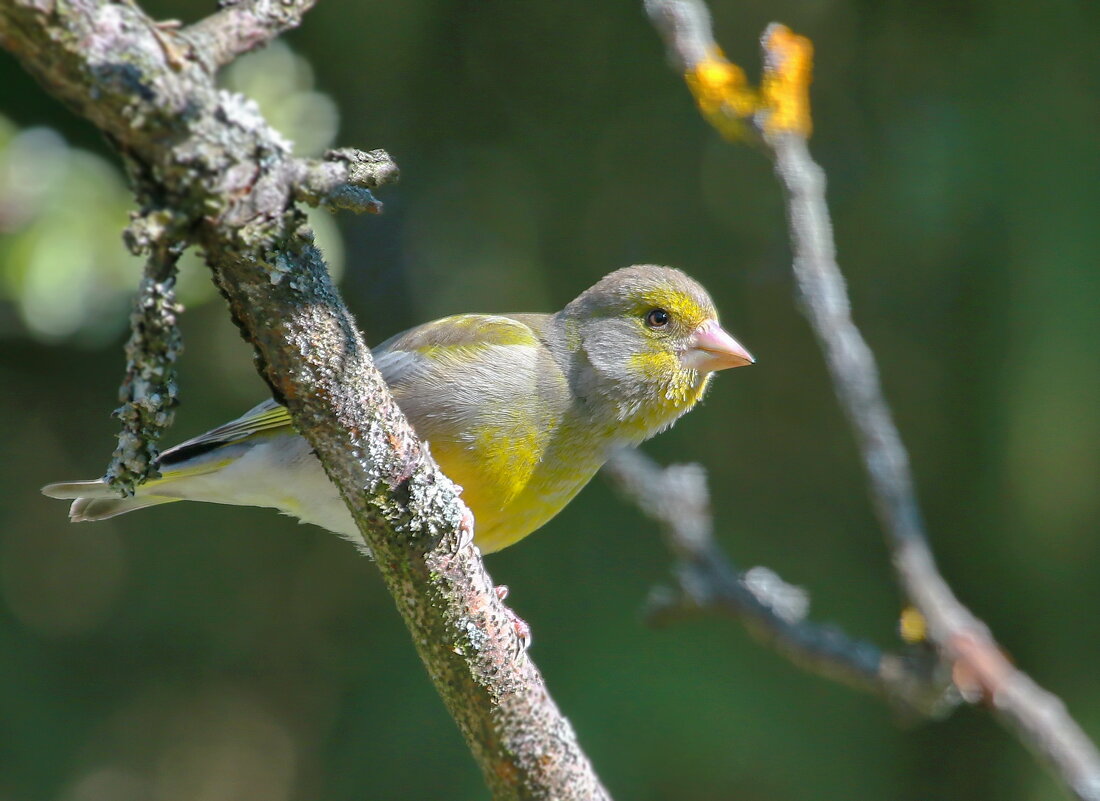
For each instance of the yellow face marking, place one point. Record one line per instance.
(660, 364)
(676, 391)
(489, 329)
(686, 313)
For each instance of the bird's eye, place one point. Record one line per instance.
(657, 318)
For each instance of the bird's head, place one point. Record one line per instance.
(652, 339)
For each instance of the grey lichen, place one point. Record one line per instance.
(343, 180)
(149, 393)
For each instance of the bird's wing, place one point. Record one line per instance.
(420, 352)
(452, 342)
(267, 417)
(474, 377)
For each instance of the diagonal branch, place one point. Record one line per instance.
(964, 642)
(230, 183)
(707, 582)
(1038, 716)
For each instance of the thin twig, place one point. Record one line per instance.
(964, 642)
(773, 611)
(1039, 717)
(149, 392)
(343, 179)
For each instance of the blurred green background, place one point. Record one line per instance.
(206, 653)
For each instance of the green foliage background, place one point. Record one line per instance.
(201, 652)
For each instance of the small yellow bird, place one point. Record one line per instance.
(519, 409)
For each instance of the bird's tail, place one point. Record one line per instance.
(94, 500)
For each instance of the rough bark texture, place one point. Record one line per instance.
(211, 171)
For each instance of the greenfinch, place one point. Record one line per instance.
(521, 410)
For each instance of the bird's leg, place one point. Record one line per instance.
(519, 625)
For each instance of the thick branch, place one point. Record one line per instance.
(1039, 718)
(230, 181)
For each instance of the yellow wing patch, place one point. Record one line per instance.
(471, 331)
(268, 417)
(275, 417)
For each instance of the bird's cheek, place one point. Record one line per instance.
(653, 365)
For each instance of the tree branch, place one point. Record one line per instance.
(209, 160)
(241, 27)
(1038, 717)
(774, 612)
(149, 393)
(343, 179)
(964, 642)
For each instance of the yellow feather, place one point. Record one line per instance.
(520, 410)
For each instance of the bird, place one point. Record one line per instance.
(520, 410)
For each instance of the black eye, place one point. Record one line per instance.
(657, 318)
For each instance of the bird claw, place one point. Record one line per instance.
(523, 632)
(466, 529)
(519, 625)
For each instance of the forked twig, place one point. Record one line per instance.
(779, 114)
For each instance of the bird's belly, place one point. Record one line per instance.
(278, 472)
(495, 529)
(510, 497)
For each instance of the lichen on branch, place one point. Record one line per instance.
(231, 184)
(149, 391)
(722, 92)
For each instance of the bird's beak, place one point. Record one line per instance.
(710, 348)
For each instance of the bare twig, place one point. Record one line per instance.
(774, 612)
(1039, 717)
(230, 182)
(964, 642)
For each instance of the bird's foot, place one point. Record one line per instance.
(519, 625)
(465, 529)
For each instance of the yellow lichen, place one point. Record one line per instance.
(912, 626)
(785, 90)
(723, 94)
(782, 104)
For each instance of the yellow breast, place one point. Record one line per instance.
(515, 484)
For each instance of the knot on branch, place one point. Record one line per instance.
(343, 179)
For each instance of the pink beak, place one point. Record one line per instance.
(710, 348)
